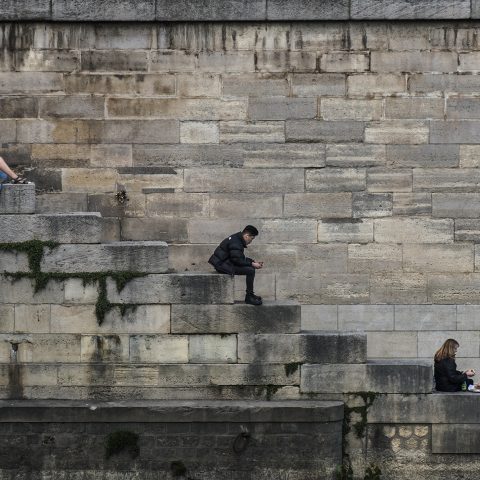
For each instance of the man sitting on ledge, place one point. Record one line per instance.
(229, 258)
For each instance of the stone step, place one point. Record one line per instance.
(61, 228)
(188, 288)
(271, 317)
(313, 347)
(382, 377)
(17, 199)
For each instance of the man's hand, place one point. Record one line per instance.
(257, 265)
(470, 372)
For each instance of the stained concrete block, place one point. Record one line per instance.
(469, 156)
(438, 258)
(254, 85)
(226, 62)
(374, 84)
(345, 62)
(365, 317)
(7, 318)
(404, 9)
(18, 107)
(404, 377)
(413, 230)
(104, 348)
(319, 317)
(414, 62)
(285, 61)
(425, 317)
(273, 317)
(309, 85)
(174, 288)
(148, 257)
(17, 199)
(374, 257)
(113, 61)
(414, 107)
(26, 10)
(355, 155)
(212, 349)
(159, 348)
(446, 180)
(199, 132)
(75, 10)
(47, 61)
(423, 156)
(318, 205)
(456, 205)
(62, 228)
(324, 131)
(252, 132)
(32, 318)
(398, 288)
(312, 347)
(282, 108)
(412, 204)
(72, 107)
(334, 179)
(372, 204)
(30, 82)
(307, 10)
(454, 131)
(172, 61)
(397, 132)
(455, 438)
(359, 231)
(468, 62)
(348, 109)
(454, 288)
(467, 230)
(437, 83)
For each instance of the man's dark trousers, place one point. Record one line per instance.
(250, 273)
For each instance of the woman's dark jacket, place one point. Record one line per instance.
(229, 254)
(447, 377)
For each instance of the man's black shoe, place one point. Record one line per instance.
(253, 299)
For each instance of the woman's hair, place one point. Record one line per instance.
(447, 350)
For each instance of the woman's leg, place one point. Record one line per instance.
(6, 169)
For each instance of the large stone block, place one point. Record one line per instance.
(442, 179)
(276, 317)
(252, 132)
(61, 203)
(414, 62)
(65, 155)
(404, 9)
(302, 348)
(177, 205)
(468, 317)
(374, 257)
(333, 288)
(104, 348)
(108, 205)
(159, 348)
(18, 107)
(384, 377)
(309, 85)
(75, 10)
(365, 317)
(172, 61)
(258, 205)
(455, 131)
(401, 288)
(423, 155)
(454, 288)
(199, 132)
(7, 316)
(111, 156)
(412, 204)
(469, 156)
(7, 133)
(47, 61)
(112, 61)
(177, 108)
(247, 180)
(254, 85)
(26, 10)
(61, 228)
(392, 344)
(174, 288)
(335, 179)
(148, 257)
(425, 317)
(359, 231)
(319, 317)
(320, 258)
(226, 62)
(344, 62)
(431, 83)
(348, 109)
(32, 318)
(16, 199)
(194, 10)
(367, 85)
(467, 230)
(397, 132)
(285, 61)
(30, 82)
(318, 205)
(438, 258)
(72, 107)
(372, 204)
(212, 349)
(282, 108)
(414, 107)
(355, 155)
(457, 438)
(459, 108)
(468, 62)
(165, 229)
(413, 230)
(324, 131)
(307, 10)
(430, 342)
(23, 291)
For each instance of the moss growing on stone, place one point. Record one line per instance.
(178, 469)
(271, 390)
(122, 440)
(291, 368)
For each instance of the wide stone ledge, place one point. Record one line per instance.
(236, 10)
(17, 199)
(169, 411)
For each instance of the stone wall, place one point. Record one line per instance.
(352, 146)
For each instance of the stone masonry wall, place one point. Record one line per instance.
(353, 146)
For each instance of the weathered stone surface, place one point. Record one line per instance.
(250, 181)
(149, 257)
(166, 229)
(47, 61)
(26, 10)
(360, 231)
(414, 107)
(199, 132)
(425, 317)
(456, 205)
(369, 84)
(72, 107)
(177, 204)
(307, 10)
(252, 132)
(254, 85)
(7, 316)
(403, 9)
(401, 288)
(414, 62)
(374, 257)
(62, 228)
(392, 344)
(468, 317)
(79, 180)
(454, 288)
(304, 347)
(61, 203)
(113, 61)
(104, 348)
(285, 61)
(308, 85)
(372, 204)
(319, 317)
(469, 156)
(455, 438)
(430, 342)
(324, 131)
(321, 258)
(212, 349)
(7, 133)
(334, 179)
(318, 205)
(282, 108)
(397, 132)
(345, 62)
(65, 155)
(159, 348)
(454, 131)
(413, 230)
(355, 155)
(258, 205)
(273, 317)
(172, 61)
(75, 10)
(17, 199)
(467, 230)
(348, 109)
(378, 377)
(365, 317)
(438, 258)
(333, 288)
(226, 62)
(174, 288)
(423, 156)
(32, 319)
(210, 11)
(468, 62)
(430, 83)
(108, 205)
(18, 107)
(438, 180)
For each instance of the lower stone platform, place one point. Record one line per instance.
(214, 440)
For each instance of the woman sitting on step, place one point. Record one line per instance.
(447, 377)
(6, 172)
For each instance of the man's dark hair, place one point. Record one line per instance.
(251, 230)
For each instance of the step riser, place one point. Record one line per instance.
(17, 199)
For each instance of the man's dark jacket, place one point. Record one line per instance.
(229, 254)
(447, 377)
